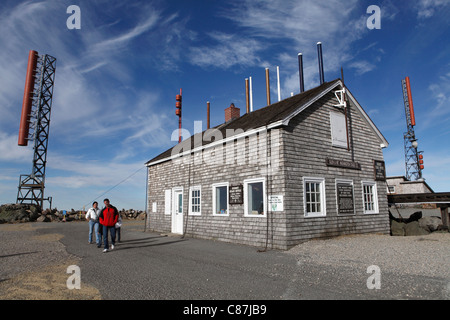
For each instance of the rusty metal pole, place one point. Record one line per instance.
(267, 86)
(207, 115)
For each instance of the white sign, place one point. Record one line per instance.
(276, 203)
(154, 207)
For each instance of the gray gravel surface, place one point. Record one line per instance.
(410, 267)
(24, 248)
(152, 266)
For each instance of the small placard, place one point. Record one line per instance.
(343, 164)
(236, 194)
(379, 170)
(345, 198)
(276, 203)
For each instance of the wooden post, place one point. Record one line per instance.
(445, 217)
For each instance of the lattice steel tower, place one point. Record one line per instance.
(413, 157)
(35, 125)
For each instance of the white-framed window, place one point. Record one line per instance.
(314, 197)
(220, 199)
(195, 200)
(391, 189)
(370, 197)
(338, 129)
(168, 201)
(255, 202)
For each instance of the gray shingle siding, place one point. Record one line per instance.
(296, 151)
(307, 142)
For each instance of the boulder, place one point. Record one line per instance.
(397, 228)
(141, 216)
(10, 213)
(43, 218)
(430, 224)
(414, 229)
(414, 217)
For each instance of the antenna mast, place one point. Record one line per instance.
(413, 157)
(178, 99)
(35, 125)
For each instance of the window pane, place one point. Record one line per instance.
(180, 203)
(369, 197)
(338, 129)
(221, 200)
(313, 197)
(195, 200)
(255, 198)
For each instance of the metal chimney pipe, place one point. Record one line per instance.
(278, 83)
(251, 94)
(267, 87)
(319, 52)
(207, 114)
(247, 98)
(300, 72)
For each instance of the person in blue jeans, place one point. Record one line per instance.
(93, 217)
(108, 218)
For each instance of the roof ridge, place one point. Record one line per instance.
(258, 118)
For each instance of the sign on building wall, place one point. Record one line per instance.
(343, 164)
(236, 194)
(276, 203)
(345, 202)
(379, 170)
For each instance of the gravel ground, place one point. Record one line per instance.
(415, 255)
(34, 258)
(33, 265)
(413, 267)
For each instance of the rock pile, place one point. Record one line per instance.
(132, 214)
(16, 213)
(10, 213)
(415, 225)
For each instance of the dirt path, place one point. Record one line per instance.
(33, 265)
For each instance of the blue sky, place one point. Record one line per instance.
(117, 77)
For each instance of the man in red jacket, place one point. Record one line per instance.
(108, 218)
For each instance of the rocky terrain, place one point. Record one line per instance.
(416, 225)
(17, 213)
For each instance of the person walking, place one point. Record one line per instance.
(92, 216)
(118, 227)
(108, 218)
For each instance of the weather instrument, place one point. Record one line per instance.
(413, 157)
(35, 124)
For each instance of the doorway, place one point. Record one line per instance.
(177, 211)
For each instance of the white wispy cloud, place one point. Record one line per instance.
(438, 110)
(9, 151)
(361, 67)
(296, 26)
(427, 8)
(93, 96)
(229, 50)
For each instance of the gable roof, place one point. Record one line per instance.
(272, 116)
